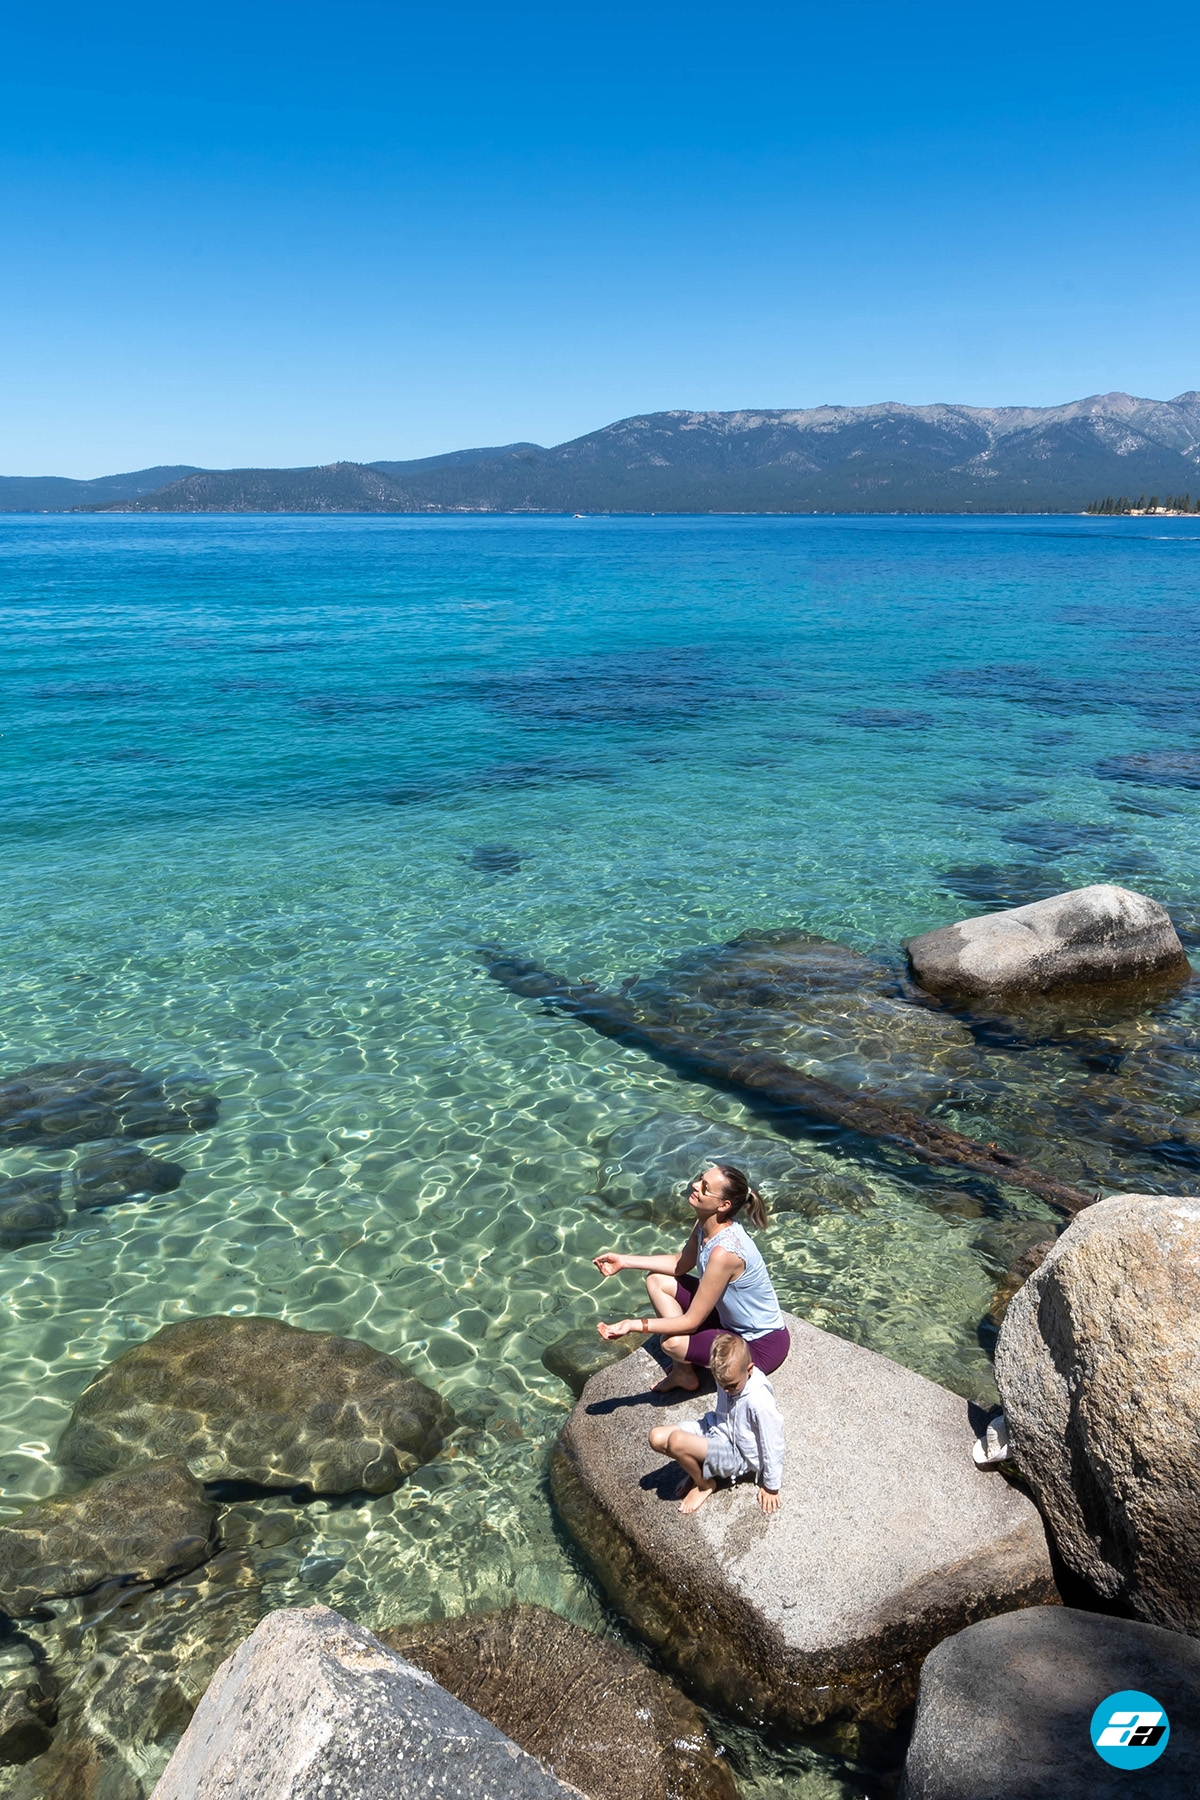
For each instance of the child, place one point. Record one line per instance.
(744, 1434)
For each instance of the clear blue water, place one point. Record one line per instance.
(268, 782)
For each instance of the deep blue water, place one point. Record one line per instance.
(268, 782)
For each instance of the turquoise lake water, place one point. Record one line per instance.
(270, 782)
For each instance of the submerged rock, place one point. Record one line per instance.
(1091, 935)
(647, 1167)
(888, 1538)
(144, 1526)
(312, 1707)
(32, 1206)
(832, 1012)
(69, 1103)
(1153, 768)
(587, 1708)
(256, 1400)
(734, 1061)
(44, 1188)
(27, 1715)
(1098, 1366)
(579, 1355)
(122, 1172)
(494, 859)
(134, 1666)
(1005, 1709)
(1016, 1277)
(26, 1221)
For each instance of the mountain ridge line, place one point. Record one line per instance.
(887, 457)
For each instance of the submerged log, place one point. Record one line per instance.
(727, 1063)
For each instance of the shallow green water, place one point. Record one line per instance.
(248, 764)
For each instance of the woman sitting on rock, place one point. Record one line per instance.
(733, 1292)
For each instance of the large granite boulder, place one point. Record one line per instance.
(1005, 1710)
(1091, 935)
(589, 1709)
(253, 1399)
(312, 1707)
(144, 1526)
(888, 1538)
(1098, 1366)
(56, 1104)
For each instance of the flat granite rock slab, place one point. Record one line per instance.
(1005, 1710)
(312, 1707)
(889, 1538)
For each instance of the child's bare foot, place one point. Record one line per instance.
(693, 1501)
(679, 1375)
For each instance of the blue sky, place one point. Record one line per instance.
(288, 234)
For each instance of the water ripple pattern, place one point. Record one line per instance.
(270, 782)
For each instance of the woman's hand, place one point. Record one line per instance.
(621, 1329)
(768, 1501)
(609, 1263)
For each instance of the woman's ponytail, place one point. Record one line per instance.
(742, 1197)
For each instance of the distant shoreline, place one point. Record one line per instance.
(889, 459)
(482, 512)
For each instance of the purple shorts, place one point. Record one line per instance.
(766, 1352)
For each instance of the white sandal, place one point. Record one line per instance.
(992, 1448)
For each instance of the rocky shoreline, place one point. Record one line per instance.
(899, 1573)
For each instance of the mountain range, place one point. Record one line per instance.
(883, 458)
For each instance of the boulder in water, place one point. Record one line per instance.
(43, 1188)
(1091, 935)
(1015, 1278)
(122, 1172)
(256, 1400)
(825, 1009)
(312, 1707)
(31, 1206)
(888, 1537)
(1005, 1709)
(587, 1708)
(579, 1355)
(58, 1104)
(144, 1526)
(494, 859)
(27, 1714)
(132, 1672)
(28, 1220)
(1098, 1366)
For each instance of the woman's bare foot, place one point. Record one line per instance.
(694, 1500)
(679, 1375)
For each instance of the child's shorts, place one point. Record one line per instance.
(723, 1461)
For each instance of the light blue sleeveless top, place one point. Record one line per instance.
(748, 1305)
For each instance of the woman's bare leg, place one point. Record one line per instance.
(661, 1289)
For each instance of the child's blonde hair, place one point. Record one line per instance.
(730, 1357)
